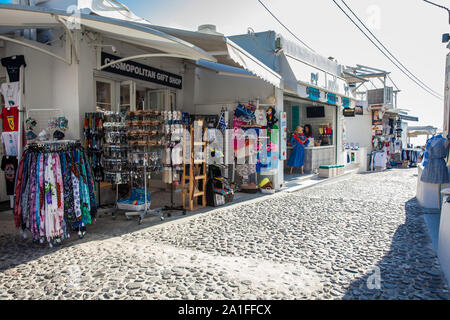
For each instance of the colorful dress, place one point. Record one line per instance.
(297, 158)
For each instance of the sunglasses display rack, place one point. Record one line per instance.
(94, 140)
(145, 143)
(115, 152)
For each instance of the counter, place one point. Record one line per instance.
(316, 157)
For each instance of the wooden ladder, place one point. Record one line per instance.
(194, 170)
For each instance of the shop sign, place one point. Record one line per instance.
(331, 98)
(349, 112)
(345, 102)
(142, 72)
(314, 94)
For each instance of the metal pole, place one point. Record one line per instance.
(21, 109)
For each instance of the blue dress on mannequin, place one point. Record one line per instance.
(435, 170)
(297, 158)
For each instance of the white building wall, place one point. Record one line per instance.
(359, 130)
(214, 90)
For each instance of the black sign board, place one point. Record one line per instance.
(349, 112)
(142, 72)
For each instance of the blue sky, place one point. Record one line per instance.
(411, 29)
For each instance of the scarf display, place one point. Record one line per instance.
(55, 191)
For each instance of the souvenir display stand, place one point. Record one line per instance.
(12, 115)
(115, 153)
(144, 136)
(194, 167)
(173, 132)
(258, 122)
(54, 191)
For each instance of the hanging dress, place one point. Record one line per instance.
(436, 170)
(297, 158)
(17, 208)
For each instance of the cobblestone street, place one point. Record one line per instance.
(338, 240)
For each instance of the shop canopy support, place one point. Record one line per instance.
(29, 44)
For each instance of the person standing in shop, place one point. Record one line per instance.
(308, 131)
(299, 141)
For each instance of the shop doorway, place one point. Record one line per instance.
(129, 95)
(321, 119)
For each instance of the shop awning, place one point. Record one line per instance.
(301, 73)
(226, 52)
(225, 70)
(421, 131)
(408, 118)
(15, 17)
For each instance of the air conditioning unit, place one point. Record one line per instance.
(377, 96)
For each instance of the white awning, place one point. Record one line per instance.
(14, 16)
(299, 74)
(226, 52)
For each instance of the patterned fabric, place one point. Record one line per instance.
(59, 195)
(37, 201)
(84, 192)
(76, 199)
(17, 208)
(51, 201)
(24, 194)
(42, 194)
(32, 199)
(54, 193)
(68, 194)
(90, 178)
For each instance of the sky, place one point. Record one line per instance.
(410, 29)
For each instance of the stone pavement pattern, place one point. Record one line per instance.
(325, 242)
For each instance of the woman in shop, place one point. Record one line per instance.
(299, 141)
(308, 131)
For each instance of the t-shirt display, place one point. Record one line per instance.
(9, 165)
(12, 65)
(261, 118)
(10, 117)
(10, 141)
(10, 92)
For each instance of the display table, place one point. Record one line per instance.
(444, 240)
(428, 194)
(316, 156)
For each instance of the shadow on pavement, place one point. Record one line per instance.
(410, 270)
(15, 250)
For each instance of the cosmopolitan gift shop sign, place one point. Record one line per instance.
(142, 72)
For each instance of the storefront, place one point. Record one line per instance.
(315, 95)
(147, 86)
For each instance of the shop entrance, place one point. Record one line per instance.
(320, 120)
(130, 95)
(120, 94)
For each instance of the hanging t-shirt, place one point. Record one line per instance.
(12, 65)
(10, 141)
(10, 117)
(260, 116)
(9, 165)
(10, 92)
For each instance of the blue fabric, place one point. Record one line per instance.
(426, 153)
(297, 158)
(436, 169)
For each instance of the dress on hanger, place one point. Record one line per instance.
(297, 158)
(436, 170)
